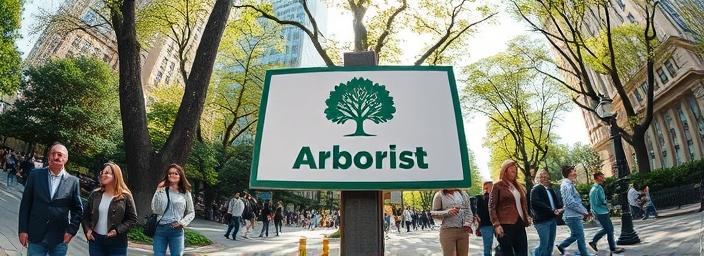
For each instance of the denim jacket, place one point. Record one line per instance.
(571, 200)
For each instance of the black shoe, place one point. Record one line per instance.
(226, 236)
(562, 251)
(617, 250)
(593, 246)
(260, 236)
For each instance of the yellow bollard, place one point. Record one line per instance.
(326, 246)
(302, 246)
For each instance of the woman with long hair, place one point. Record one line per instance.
(453, 207)
(278, 217)
(173, 203)
(508, 211)
(109, 214)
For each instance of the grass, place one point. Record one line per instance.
(193, 238)
(335, 234)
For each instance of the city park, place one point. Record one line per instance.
(213, 120)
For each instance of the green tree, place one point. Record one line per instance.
(358, 100)
(70, 100)
(10, 60)
(521, 103)
(589, 159)
(447, 23)
(691, 12)
(568, 27)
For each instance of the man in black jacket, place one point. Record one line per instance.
(486, 229)
(50, 197)
(545, 207)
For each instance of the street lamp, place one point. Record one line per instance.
(628, 234)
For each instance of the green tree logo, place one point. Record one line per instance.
(358, 100)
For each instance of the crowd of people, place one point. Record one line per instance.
(51, 202)
(17, 165)
(506, 209)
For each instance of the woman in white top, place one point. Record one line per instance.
(174, 205)
(452, 206)
(109, 214)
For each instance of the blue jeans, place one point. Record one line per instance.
(234, 223)
(42, 249)
(113, 246)
(547, 231)
(11, 178)
(607, 228)
(650, 211)
(168, 236)
(265, 228)
(487, 239)
(576, 234)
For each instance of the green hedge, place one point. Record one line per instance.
(193, 238)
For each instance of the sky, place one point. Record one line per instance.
(490, 40)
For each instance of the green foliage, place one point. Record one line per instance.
(192, 238)
(631, 53)
(663, 178)
(10, 59)
(358, 100)
(202, 162)
(234, 175)
(162, 110)
(521, 103)
(691, 12)
(335, 234)
(71, 100)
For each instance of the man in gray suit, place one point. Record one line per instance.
(49, 196)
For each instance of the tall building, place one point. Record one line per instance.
(676, 134)
(160, 62)
(299, 51)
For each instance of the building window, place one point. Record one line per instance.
(661, 140)
(663, 76)
(698, 116)
(686, 132)
(673, 138)
(620, 4)
(651, 151)
(671, 67)
(644, 88)
(631, 18)
(157, 78)
(638, 96)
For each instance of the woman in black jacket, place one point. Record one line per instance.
(265, 217)
(545, 207)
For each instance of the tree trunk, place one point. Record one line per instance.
(642, 154)
(144, 164)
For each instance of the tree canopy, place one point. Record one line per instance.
(71, 100)
(10, 59)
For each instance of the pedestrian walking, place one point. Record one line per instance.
(235, 208)
(278, 217)
(508, 211)
(597, 201)
(574, 212)
(453, 207)
(173, 202)
(249, 214)
(52, 202)
(486, 229)
(110, 214)
(545, 208)
(648, 206)
(407, 219)
(265, 218)
(633, 195)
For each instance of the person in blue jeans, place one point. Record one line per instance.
(174, 203)
(597, 199)
(486, 229)
(545, 207)
(574, 212)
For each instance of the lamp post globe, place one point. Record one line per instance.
(628, 234)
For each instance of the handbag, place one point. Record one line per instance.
(150, 228)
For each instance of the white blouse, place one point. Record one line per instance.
(181, 204)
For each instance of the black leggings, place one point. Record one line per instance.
(515, 240)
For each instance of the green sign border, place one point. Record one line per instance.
(339, 185)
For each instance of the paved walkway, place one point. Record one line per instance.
(675, 232)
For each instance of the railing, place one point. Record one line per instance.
(677, 196)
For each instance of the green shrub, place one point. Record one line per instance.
(335, 234)
(193, 238)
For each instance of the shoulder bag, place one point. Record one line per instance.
(152, 222)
